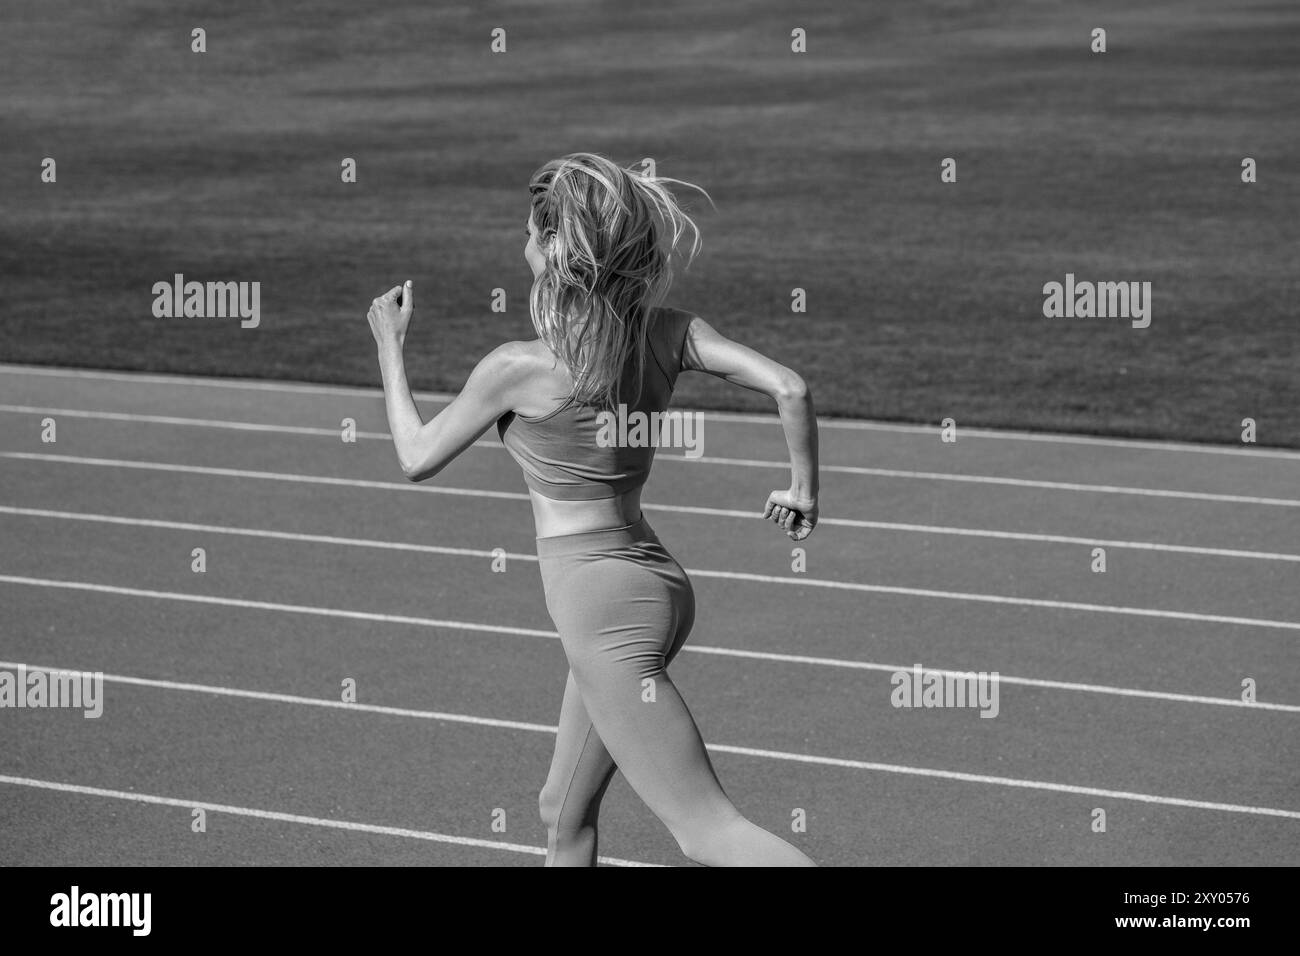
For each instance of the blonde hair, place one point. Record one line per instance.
(612, 233)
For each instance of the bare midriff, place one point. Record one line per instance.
(555, 517)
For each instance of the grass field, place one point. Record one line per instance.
(924, 299)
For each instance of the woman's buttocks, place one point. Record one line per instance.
(613, 587)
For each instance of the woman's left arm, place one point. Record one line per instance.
(425, 448)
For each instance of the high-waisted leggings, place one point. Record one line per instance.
(623, 608)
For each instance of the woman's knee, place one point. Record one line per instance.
(561, 816)
(550, 803)
(570, 842)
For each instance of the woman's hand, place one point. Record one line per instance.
(388, 319)
(797, 514)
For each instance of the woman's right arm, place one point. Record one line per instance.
(707, 350)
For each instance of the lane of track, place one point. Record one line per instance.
(858, 815)
(1119, 650)
(1029, 569)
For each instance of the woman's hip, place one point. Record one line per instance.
(616, 584)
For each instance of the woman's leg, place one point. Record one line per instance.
(580, 773)
(659, 749)
(619, 621)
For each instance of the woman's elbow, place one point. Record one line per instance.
(417, 470)
(420, 473)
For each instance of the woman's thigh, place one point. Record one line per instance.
(619, 623)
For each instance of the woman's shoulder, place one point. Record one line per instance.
(521, 356)
(669, 313)
(672, 324)
(668, 327)
(534, 376)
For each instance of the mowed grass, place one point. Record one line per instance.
(924, 299)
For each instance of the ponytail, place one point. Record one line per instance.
(608, 234)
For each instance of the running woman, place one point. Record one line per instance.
(600, 244)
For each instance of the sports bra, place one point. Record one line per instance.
(577, 452)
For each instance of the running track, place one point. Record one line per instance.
(1119, 690)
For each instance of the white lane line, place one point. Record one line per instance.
(296, 699)
(1010, 482)
(481, 552)
(191, 422)
(261, 533)
(761, 754)
(702, 460)
(1086, 542)
(1009, 782)
(291, 818)
(876, 526)
(1006, 599)
(898, 590)
(275, 606)
(264, 475)
(205, 381)
(1010, 434)
(743, 417)
(228, 424)
(769, 656)
(901, 591)
(1002, 678)
(669, 509)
